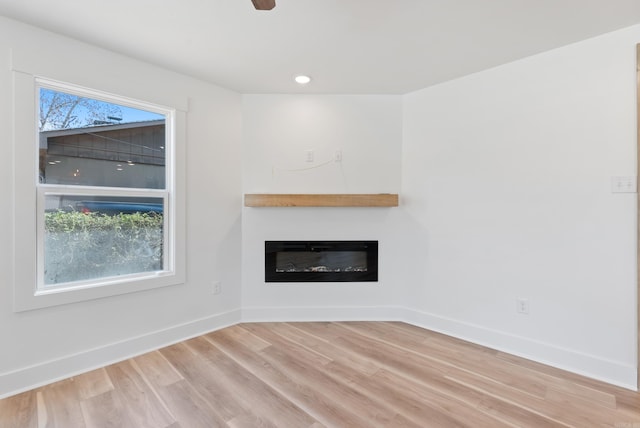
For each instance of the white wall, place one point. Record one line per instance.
(504, 179)
(41, 345)
(507, 179)
(277, 132)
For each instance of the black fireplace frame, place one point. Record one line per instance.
(274, 247)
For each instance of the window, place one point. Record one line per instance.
(98, 206)
(102, 188)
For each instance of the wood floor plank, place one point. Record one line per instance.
(189, 407)
(269, 331)
(404, 364)
(314, 402)
(324, 374)
(389, 332)
(324, 330)
(59, 405)
(385, 388)
(513, 405)
(460, 355)
(410, 398)
(105, 411)
(332, 352)
(157, 369)
(196, 371)
(417, 367)
(266, 404)
(334, 396)
(181, 398)
(19, 411)
(93, 383)
(253, 342)
(140, 403)
(341, 394)
(250, 421)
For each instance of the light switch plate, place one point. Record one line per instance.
(624, 184)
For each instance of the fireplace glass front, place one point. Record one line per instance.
(321, 261)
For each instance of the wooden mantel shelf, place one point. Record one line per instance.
(321, 200)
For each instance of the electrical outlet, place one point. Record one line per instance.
(310, 156)
(522, 306)
(337, 156)
(217, 287)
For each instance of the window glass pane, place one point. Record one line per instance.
(88, 142)
(87, 237)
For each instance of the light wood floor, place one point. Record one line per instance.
(345, 374)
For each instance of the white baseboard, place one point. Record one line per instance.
(325, 313)
(27, 378)
(612, 372)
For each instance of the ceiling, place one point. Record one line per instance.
(346, 46)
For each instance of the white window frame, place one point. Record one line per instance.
(29, 195)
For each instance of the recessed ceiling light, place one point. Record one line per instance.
(302, 79)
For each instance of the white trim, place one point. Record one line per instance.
(27, 378)
(43, 62)
(26, 204)
(336, 313)
(613, 372)
(42, 82)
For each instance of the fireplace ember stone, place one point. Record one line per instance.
(321, 261)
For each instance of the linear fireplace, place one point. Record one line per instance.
(321, 261)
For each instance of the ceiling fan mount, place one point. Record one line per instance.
(264, 4)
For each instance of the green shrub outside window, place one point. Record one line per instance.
(81, 246)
